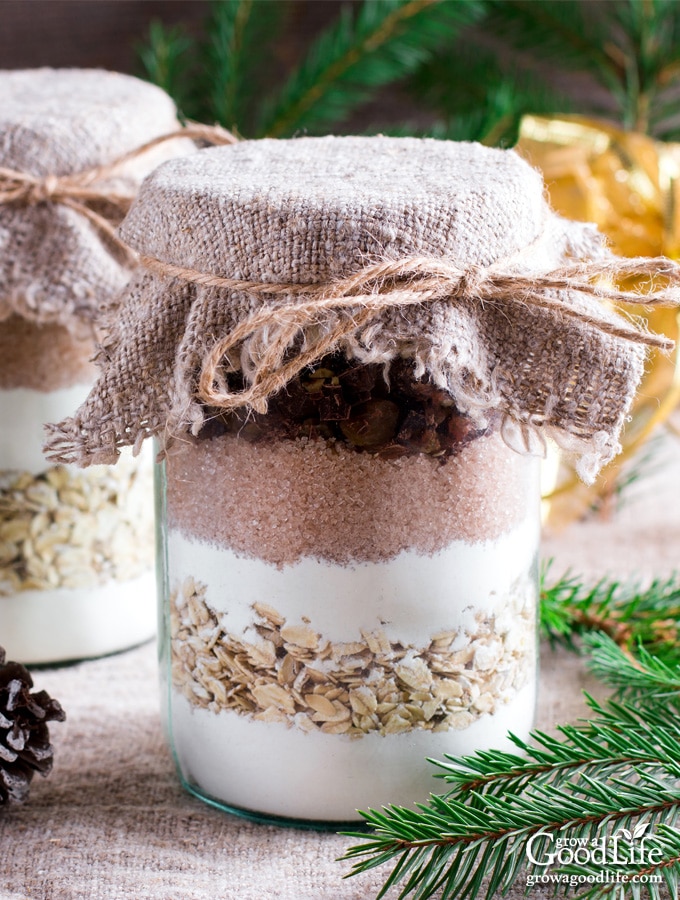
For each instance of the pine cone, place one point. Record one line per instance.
(24, 736)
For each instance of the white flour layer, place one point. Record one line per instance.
(283, 771)
(278, 771)
(73, 623)
(23, 412)
(411, 596)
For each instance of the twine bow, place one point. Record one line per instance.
(314, 318)
(88, 193)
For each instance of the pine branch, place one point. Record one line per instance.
(631, 47)
(619, 735)
(225, 58)
(167, 60)
(629, 614)
(664, 119)
(385, 41)
(566, 32)
(478, 87)
(666, 841)
(610, 773)
(476, 846)
(607, 779)
(632, 676)
(471, 82)
(234, 64)
(488, 126)
(649, 33)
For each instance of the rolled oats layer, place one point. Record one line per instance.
(65, 528)
(290, 673)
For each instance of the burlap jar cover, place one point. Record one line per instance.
(263, 256)
(55, 264)
(75, 546)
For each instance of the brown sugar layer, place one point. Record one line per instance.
(42, 357)
(284, 500)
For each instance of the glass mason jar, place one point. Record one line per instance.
(76, 546)
(348, 586)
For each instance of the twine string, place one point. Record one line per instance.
(317, 317)
(87, 192)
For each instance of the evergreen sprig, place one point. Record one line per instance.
(632, 615)
(476, 66)
(480, 98)
(630, 49)
(234, 71)
(167, 59)
(218, 76)
(604, 776)
(618, 734)
(384, 42)
(226, 76)
(634, 676)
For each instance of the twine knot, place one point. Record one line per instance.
(42, 191)
(91, 193)
(469, 283)
(283, 337)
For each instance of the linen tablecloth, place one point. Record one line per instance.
(112, 823)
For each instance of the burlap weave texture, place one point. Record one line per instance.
(313, 209)
(55, 267)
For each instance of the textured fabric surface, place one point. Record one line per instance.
(54, 264)
(311, 209)
(112, 823)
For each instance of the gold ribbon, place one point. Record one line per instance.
(625, 182)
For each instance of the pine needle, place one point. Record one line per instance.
(614, 772)
(481, 99)
(167, 60)
(385, 41)
(634, 676)
(234, 65)
(631, 48)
